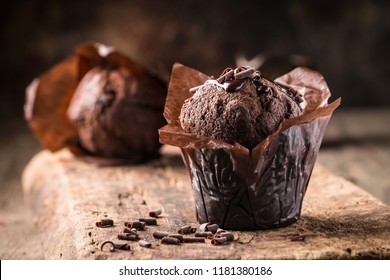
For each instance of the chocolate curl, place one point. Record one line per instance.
(132, 231)
(128, 236)
(218, 240)
(184, 229)
(208, 227)
(114, 246)
(170, 240)
(144, 243)
(213, 228)
(203, 227)
(193, 229)
(206, 234)
(193, 239)
(137, 225)
(262, 188)
(228, 235)
(155, 214)
(105, 223)
(160, 234)
(125, 247)
(177, 236)
(149, 221)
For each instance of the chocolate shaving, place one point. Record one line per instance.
(208, 227)
(203, 234)
(137, 225)
(184, 229)
(105, 223)
(218, 240)
(144, 243)
(225, 74)
(149, 221)
(203, 227)
(170, 240)
(125, 247)
(131, 231)
(155, 214)
(128, 236)
(213, 228)
(193, 229)
(160, 234)
(247, 73)
(112, 247)
(115, 246)
(177, 236)
(229, 236)
(193, 239)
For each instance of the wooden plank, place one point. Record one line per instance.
(67, 195)
(18, 237)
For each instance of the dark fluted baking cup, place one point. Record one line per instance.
(246, 190)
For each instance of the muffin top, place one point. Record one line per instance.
(240, 106)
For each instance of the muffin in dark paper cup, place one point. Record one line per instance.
(260, 187)
(100, 104)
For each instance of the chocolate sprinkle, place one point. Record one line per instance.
(136, 225)
(170, 240)
(128, 236)
(160, 234)
(155, 214)
(184, 229)
(149, 221)
(177, 236)
(193, 239)
(218, 240)
(144, 243)
(105, 223)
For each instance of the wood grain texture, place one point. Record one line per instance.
(67, 195)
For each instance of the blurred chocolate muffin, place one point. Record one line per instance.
(117, 114)
(103, 104)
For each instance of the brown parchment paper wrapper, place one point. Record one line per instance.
(243, 189)
(128, 134)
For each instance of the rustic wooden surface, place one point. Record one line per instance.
(67, 195)
(356, 147)
(18, 234)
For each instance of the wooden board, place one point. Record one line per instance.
(339, 220)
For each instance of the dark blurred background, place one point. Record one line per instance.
(348, 41)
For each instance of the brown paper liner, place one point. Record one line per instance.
(49, 97)
(243, 189)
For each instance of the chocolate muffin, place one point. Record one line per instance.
(98, 103)
(117, 113)
(249, 144)
(240, 106)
